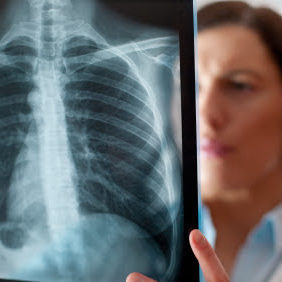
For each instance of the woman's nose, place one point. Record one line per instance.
(213, 109)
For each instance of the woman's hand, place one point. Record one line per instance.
(211, 266)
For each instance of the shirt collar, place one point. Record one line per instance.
(275, 219)
(268, 230)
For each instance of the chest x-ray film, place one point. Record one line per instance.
(91, 163)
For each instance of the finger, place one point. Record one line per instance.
(137, 277)
(211, 266)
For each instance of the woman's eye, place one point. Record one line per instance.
(241, 86)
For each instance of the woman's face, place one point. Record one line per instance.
(240, 107)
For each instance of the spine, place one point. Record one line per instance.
(55, 158)
(54, 15)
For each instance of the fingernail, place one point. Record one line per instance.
(139, 280)
(138, 277)
(200, 240)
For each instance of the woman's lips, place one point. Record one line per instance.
(214, 148)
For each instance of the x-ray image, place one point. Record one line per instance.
(90, 173)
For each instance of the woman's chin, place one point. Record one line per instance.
(219, 189)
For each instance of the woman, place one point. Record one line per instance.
(240, 105)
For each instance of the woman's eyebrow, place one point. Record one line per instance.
(243, 71)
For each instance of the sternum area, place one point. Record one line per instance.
(56, 164)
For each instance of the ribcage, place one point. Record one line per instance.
(15, 112)
(116, 148)
(88, 171)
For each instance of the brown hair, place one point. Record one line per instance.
(264, 21)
